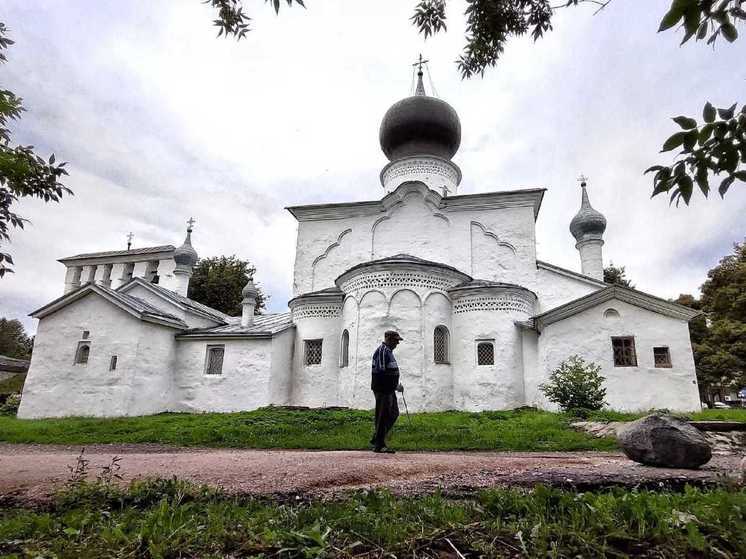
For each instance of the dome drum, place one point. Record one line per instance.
(437, 173)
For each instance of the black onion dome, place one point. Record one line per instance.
(185, 254)
(420, 125)
(587, 221)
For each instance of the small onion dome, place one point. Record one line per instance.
(587, 221)
(420, 125)
(250, 291)
(185, 255)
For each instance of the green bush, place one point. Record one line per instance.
(10, 406)
(576, 386)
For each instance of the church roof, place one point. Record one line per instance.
(631, 296)
(133, 305)
(565, 272)
(480, 283)
(404, 259)
(263, 326)
(531, 197)
(179, 300)
(113, 253)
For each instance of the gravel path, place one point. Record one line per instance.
(33, 471)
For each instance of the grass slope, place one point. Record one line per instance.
(315, 429)
(12, 385)
(735, 414)
(165, 519)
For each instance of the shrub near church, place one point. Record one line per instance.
(576, 386)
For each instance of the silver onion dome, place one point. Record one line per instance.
(185, 255)
(587, 223)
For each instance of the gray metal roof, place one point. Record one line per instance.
(135, 305)
(112, 253)
(180, 300)
(263, 326)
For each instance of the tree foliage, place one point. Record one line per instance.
(576, 385)
(14, 342)
(218, 281)
(232, 21)
(719, 336)
(616, 276)
(23, 173)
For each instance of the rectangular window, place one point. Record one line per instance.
(624, 351)
(313, 352)
(485, 352)
(662, 357)
(214, 360)
(113, 363)
(85, 335)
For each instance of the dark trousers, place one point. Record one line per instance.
(387, 412)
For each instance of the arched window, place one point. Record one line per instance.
(440, 344)
(611, 313)
(81, 355)
(344, 353)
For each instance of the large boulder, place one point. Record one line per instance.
(665, 441)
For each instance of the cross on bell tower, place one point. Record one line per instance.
(130, 236)
(582, 179)
(190, 224)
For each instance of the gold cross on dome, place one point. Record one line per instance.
(191, 222)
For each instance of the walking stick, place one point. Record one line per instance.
(406, 409)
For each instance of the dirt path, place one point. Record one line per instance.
(32, 471)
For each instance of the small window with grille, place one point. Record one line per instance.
(440, 344)
(85, 335)
(624, 351)
(485, 352)
(214, 360)
(113, 363)
(344, 354)
(313, 352)
(82, 353)
(662, 357)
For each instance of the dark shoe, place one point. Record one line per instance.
(384, 450)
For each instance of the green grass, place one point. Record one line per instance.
(170, 519)
(315, 429)
(708, 415)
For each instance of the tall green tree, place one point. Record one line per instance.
(617, 275)
(218, 281)
(719, 336)
(14, 342)
(23, 173)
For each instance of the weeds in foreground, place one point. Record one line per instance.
(172, 518)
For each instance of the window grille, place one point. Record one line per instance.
(662, 357)
(82, 353)
(344, 359)
(624, 351)
(313, 352)
(113, 363)
(440, 344)
(485, 353)
(214, 365)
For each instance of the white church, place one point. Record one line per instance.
(484, 322)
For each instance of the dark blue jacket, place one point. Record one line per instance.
(385, 370)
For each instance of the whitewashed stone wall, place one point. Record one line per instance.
(494, 244)
(245, 383)
(555, 289)
(140, 385)
(644, 387)
(489, 315)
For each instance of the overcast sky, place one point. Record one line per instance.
(160, 120)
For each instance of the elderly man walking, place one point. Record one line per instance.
(384, 383)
